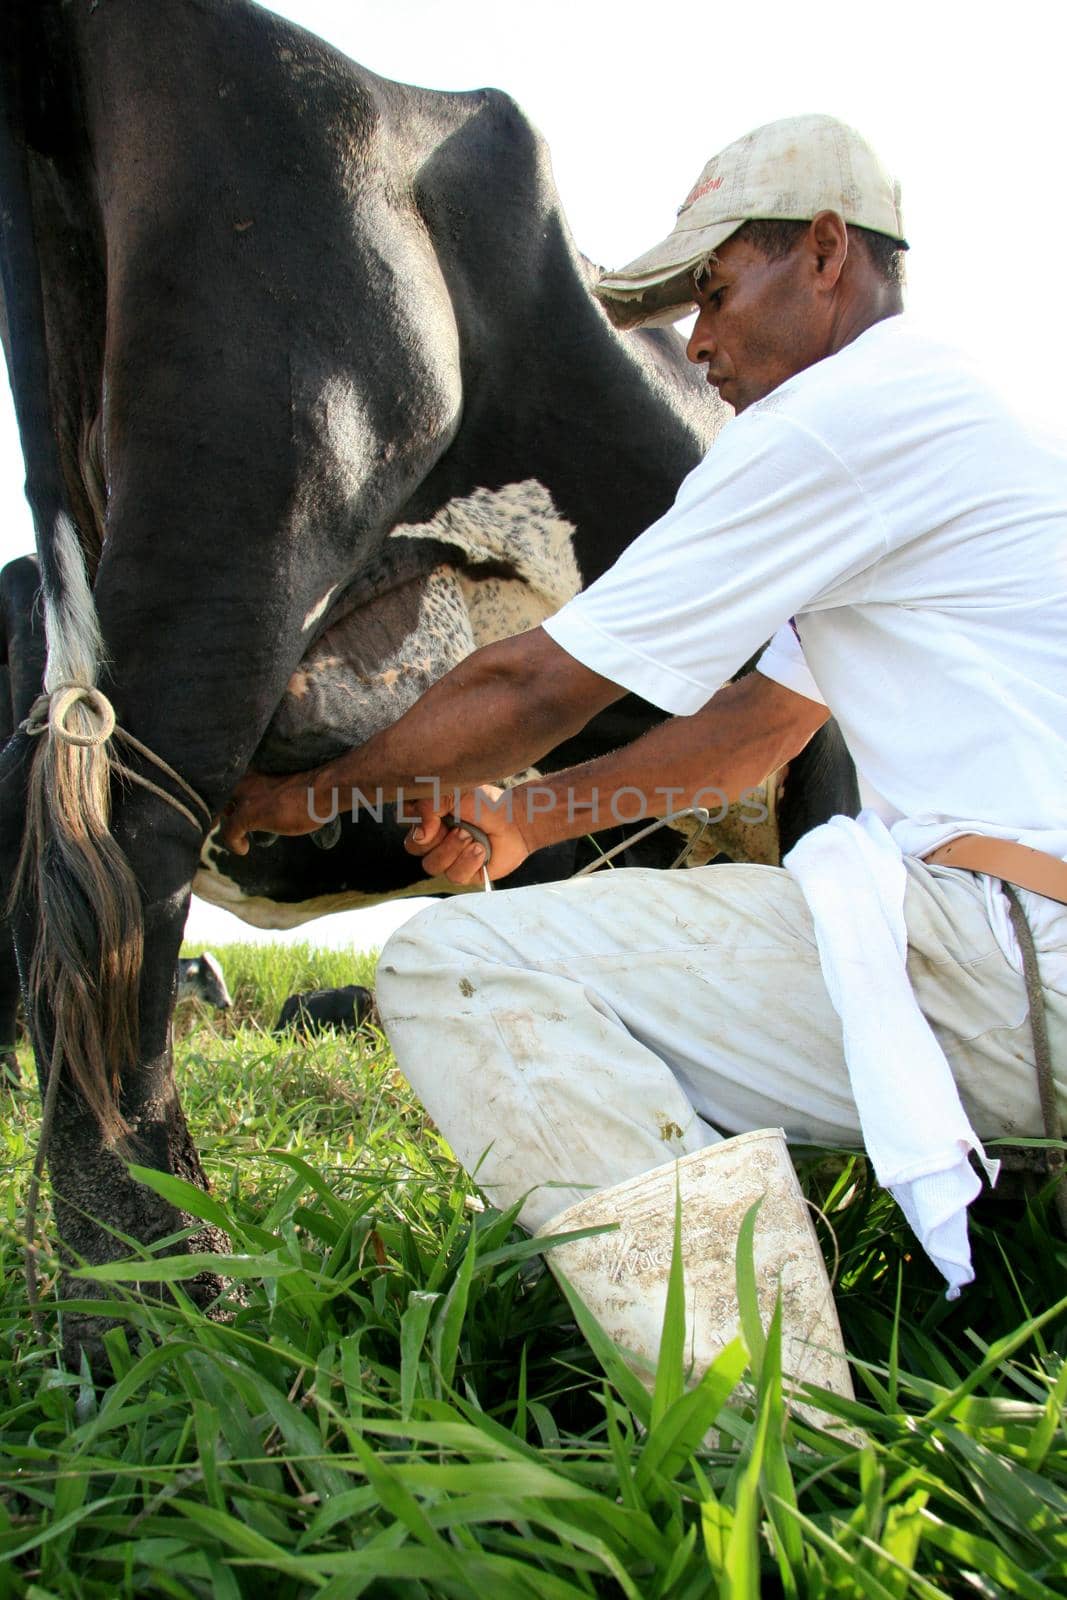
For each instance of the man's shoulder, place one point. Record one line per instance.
(893, 376)
(884, 356)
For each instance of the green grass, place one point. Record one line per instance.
(400, 1400)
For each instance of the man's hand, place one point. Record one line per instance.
(448, 850)
(267, 805)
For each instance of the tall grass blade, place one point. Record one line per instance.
(413, 1326)
(747, 1294)
(243, 1540)
(1052, 1422)
(453, 1311)
(901, 1537)
(978, 1554)
(314, 1181)
(717, 1522)
(683, 1428)
(670, 1368)
(741, 1564)
(776, 1478)
(179, 1269)
(998, 1353)
(839, 1556)
(183, 1196)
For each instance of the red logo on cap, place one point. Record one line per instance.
(702, 189)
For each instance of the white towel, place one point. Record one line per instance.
(914, 1127)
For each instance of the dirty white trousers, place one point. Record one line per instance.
(567, 1037)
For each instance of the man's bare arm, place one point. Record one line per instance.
(744, 733)
(495, 713)
(748, 730)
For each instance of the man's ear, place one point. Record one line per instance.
(827, 242)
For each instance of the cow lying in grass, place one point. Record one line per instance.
(318, 1009)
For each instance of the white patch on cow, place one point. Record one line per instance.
(498, 608)
(219, 890)
(201, 978)
(518, 525)
(318, 610)
(372, 663)
(210, 851)
(212, 884)
(346, 430)
(72, 628)
(375, 659)
(221, 996)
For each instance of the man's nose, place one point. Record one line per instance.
(701, 346)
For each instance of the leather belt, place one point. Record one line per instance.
(1005, 859)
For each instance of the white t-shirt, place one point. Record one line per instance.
(915, 527)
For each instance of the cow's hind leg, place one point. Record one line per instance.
(9, 1002)
(22, 653)
(98, 920)
(197, 689)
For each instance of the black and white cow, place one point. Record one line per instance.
(313, 397)
(202, 978)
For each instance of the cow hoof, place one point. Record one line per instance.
(328, 836)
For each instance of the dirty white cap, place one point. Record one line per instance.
(787, 171)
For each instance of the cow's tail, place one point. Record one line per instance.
(86, 965)
(72, 880)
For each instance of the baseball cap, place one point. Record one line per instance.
(788, 171)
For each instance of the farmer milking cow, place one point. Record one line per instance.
(882, 516)
(263, 312)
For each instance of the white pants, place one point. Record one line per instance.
(567, 1037)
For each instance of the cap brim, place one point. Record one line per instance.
(657, 288)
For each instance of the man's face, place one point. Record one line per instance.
(759, 321)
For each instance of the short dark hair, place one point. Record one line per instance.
(775, 238)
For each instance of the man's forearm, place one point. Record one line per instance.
(494, 714)
(746, 732)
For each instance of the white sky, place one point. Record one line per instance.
(965, 101)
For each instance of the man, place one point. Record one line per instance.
(888, 522)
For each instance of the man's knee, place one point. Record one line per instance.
(420, 948)
(406, 952)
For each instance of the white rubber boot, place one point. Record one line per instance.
(622, 1276)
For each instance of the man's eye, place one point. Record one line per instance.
(702, 280)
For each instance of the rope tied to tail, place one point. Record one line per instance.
(49, 712)
(49, 716)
